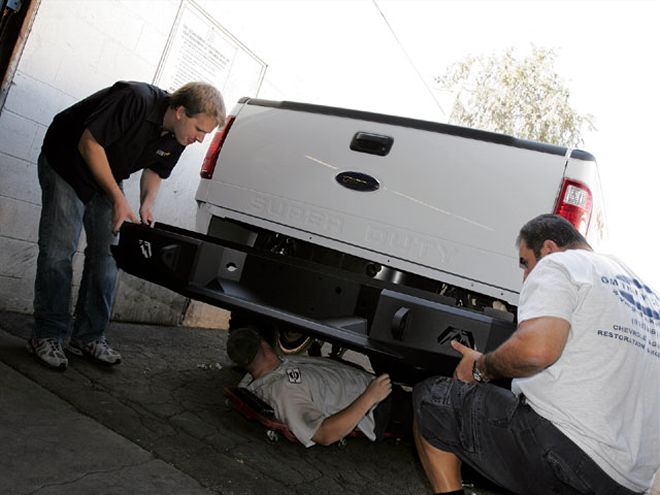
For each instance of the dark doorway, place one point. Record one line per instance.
(15, 17)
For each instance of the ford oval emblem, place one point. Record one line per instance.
(357, 181)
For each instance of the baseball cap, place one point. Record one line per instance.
(242, 346)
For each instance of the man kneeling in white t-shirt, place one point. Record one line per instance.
(582, 415)
(321, 400)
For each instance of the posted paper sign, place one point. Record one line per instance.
(200, 49)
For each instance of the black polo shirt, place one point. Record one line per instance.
(126, 119)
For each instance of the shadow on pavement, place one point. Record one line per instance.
(166, 397)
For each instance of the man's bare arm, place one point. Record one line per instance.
(149, 186)
(97, 161)
(535, 345)
(337, 426)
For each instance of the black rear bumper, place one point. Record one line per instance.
(390, 323)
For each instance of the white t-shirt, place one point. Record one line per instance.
(303, 391)
(604, 391)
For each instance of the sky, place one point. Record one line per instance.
(384, 55)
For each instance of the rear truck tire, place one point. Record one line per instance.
(292, 341)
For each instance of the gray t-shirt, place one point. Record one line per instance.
(304, 391)
(604, 391)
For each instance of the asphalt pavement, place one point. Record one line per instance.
(158, 424)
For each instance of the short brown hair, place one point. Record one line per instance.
(199, 97)
(549, 227)
(243, 345)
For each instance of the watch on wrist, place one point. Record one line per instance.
(477, 374)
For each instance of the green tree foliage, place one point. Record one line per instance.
(520, 97)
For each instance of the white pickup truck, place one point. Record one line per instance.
(386, 235)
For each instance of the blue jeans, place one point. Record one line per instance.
(63, 215)
(502, 438)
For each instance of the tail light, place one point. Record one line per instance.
(211, 158)
(574, 204)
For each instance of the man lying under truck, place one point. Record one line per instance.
(582, 416)
(321, 400)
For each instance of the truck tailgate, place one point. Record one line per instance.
(459, 197)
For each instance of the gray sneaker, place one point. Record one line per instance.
(48, 351)
(98, 350)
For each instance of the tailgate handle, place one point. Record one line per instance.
(374, 144)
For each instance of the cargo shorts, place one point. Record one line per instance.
(501, 437)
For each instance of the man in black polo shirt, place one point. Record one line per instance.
(89, 149)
